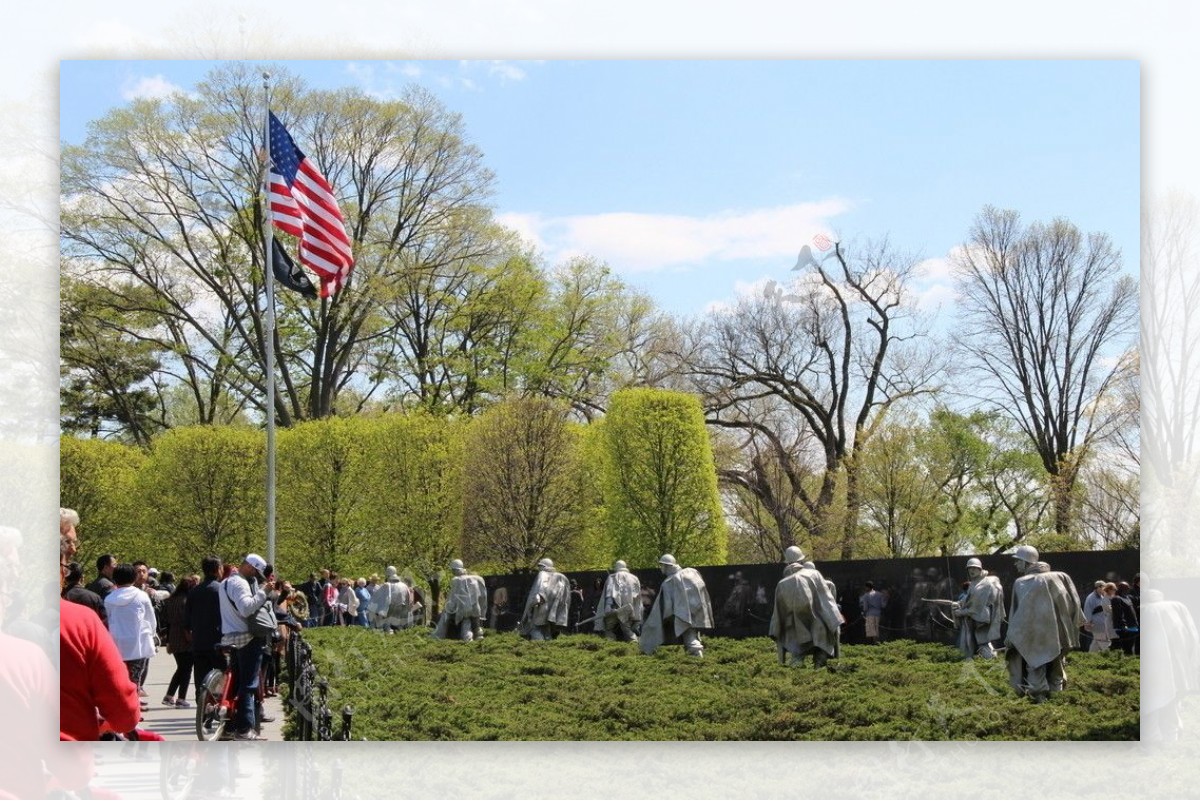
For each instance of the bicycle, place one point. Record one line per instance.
(218, 706)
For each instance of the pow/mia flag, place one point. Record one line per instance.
(288, 273)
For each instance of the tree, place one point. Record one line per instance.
(660, 484)
(161, 206)
(201, 492)
(415, 479)
(825, 359)
(522, 493)
(1044, 313)
(108, 364)
(594, 336)
(97, 479)
(900, 496)
(323, 492)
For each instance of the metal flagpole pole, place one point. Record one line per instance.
(269, 327)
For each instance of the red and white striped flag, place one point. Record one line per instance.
(303, 205)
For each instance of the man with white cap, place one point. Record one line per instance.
(241, 598)
(390, 608)
(806, 619)
(466, 604)
(1043, 626)
(620, 608)
(547, 605)
(680, 609)
(980, 613)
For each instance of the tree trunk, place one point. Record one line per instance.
(853, 504)
(1062, 486)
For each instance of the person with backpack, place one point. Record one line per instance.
(242, 596)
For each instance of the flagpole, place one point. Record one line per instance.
(269, 326)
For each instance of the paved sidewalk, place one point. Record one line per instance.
(180, 724)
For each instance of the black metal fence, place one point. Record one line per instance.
(307, 695)
(743, 595)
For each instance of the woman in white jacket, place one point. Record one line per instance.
(132, 623)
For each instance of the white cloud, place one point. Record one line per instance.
(527, 225)
(939, 269)
(154, 87)
(935, 297)
(506, 71)
(411, 70)
(636, 242)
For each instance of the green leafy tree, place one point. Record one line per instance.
(97, 478)
(200, 492)
(414, 477)
(660, 479)
(109, 362)
(322, 473)
(900, 494)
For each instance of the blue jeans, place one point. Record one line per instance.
(249, 662)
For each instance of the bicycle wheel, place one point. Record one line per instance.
(210, 725)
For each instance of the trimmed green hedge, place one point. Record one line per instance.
(411, 687)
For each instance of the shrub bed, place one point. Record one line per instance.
(411, 687)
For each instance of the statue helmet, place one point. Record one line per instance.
(667, 559)
(792, 554)
(1026, 553)
(391, 572)
(545, 564)
(619, 565)
(974, 562)
(457, 565)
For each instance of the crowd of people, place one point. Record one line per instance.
(390, 604)
(113, 625)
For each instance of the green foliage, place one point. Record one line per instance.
(414, 478)
(412, 687)
(108, 361)
(97, 479)
(953, 483)
(525, 487)
(660, 483)
(322, 493)
(202, 491)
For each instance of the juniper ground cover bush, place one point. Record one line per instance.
(410, 686)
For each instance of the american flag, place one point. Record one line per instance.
(822, 242)
(303, 205)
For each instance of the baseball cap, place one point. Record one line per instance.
(257, 562)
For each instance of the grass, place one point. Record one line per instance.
(411, 687)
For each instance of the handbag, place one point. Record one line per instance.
(261, 623)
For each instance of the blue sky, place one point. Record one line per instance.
(699, 180)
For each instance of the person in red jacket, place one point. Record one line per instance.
(26, 693)
(92, 678)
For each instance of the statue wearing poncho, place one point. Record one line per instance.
(620, 608)
(390, 607)
(981, 613)
(806, 619)
(1043, 626)
(466, 604)
(547, 605)
(682, 607)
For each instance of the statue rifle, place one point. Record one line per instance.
(617, 612)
